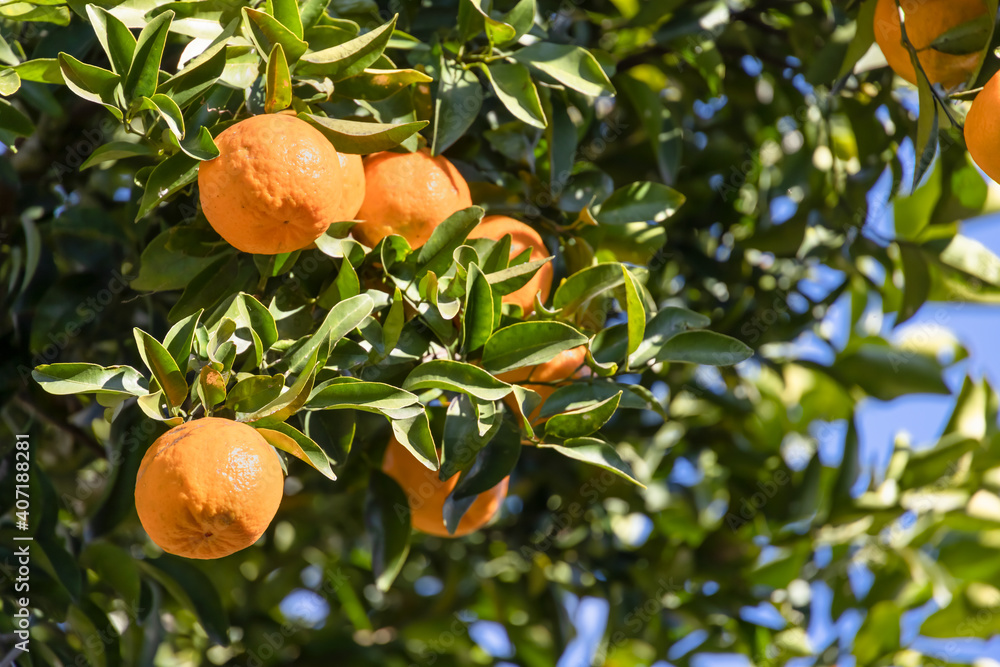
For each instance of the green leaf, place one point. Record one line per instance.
(886, 373)
(477, 321)
(357, 137)
(583, 422)
(179, 338)
(663, 326)
(456, 376)
(350, 58)
(392, 326)
(42, 70)
(14, 121)
(704, 347)
(116, 150)
(927, 124)
(289, 439)
(64, 379)
(265, 31)
(916, 285)
(116, 39)
(279, 81)
(291, 401)
(251, 394)
(9, 82)
(166, 179)
(379, 84)
(351, 393)
(515, 89)
(201, 147)
(437, 254)
(205, 289)
(193, 589)
(864, 37)
(572, 66)
(634, 312)
(144, 70)
(968, 37)
(913, 213)
(167, 110)
(521, 17)
(211, 387)
(287, 13)
(495, 461)
(176, 254)
(595, 452)
(581, 395)
(89, 82)
(642, 201)
(457, 104)
(529, 344)
(387, 519)
(584, 285)
(465, 434)
(497, 31)
(414, 433)
(7, 55)
(340, 321)
(201, 72)
(163, 366)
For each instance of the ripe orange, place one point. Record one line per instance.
(277, 184)
(208, 488)
(522, 237)
(408, 194)
(982, 128)
(352, 186)
(563, 366)
(926, 20)
(426, 494)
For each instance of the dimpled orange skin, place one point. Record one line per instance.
(276, 186)
(565, 365)
(926, 20)
(208, 488)
(522, 237)
(982, 128)
(408, 194)
(427, 494)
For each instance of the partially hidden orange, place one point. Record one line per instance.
(522, 237)
(277, 185)
(208, 488)
(408, 194)
(426, 494)
(925, 21)
(982, 128)
(546, 378)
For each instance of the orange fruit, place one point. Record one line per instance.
(277, 184)
(982, 128)
(522, 237)
(564, 366)
(352, 186)
(926, 20)
(426, 494)
(208, 488)
(408, 194)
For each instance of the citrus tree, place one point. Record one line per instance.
(549, 376)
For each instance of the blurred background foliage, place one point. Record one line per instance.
(761, 531)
